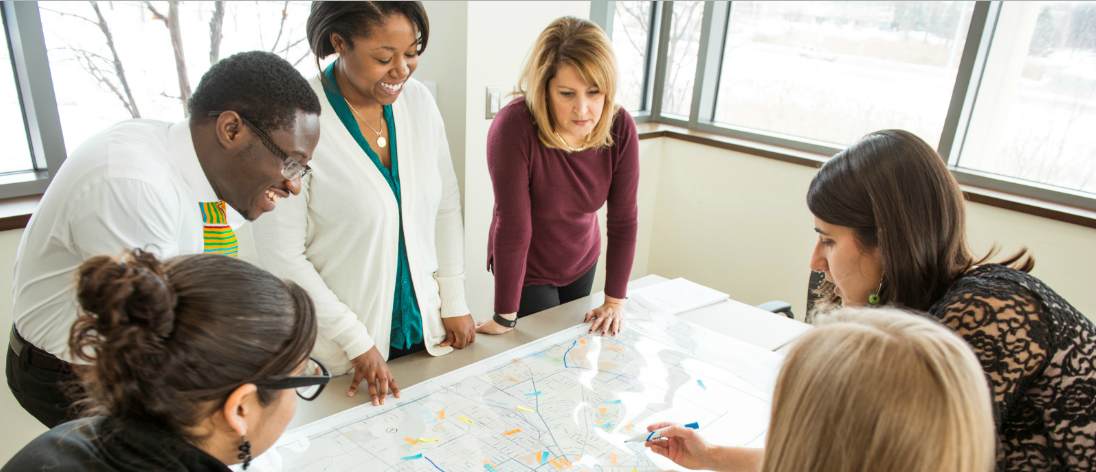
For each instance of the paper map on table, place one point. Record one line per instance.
(566, 402)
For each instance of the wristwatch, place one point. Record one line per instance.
(504, 322)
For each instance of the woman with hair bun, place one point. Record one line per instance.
(195, 364)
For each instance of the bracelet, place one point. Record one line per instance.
(504, 322)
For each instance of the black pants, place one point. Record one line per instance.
(42, 392)
(537, 298)
(394, 353)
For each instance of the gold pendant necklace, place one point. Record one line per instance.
(380, 139)
(569, 148)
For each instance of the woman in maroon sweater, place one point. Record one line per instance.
(556, 155)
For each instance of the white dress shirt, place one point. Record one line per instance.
(136, 184)
(340, 238)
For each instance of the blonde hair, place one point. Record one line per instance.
(880, 390)
(582, 45)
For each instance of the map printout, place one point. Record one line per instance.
(566, 402)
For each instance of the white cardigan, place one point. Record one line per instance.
(339, 238)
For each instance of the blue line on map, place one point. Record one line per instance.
(432, 463)
(533, 394)
(568, 352)
(408, 458)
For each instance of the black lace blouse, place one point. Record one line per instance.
(1039, 354)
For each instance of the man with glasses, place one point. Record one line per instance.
(168, 188)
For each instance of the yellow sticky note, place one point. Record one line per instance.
(512, 431)
(427, 440)
(522, 408)
(465, 419)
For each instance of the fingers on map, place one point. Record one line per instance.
(565, 403)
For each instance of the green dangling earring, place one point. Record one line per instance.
(874, 298)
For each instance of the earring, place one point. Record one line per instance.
(874, 298)
(245, 452)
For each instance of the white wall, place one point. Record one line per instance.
(740, 224)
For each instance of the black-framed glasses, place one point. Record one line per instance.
(308, 384)
(293, 169)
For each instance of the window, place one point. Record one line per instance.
(631, 43)
(681, 58)
(1006, 89)
(1034, 115)
(835, 71)
(112, 61)
(13, 131)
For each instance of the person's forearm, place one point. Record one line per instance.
(734, 459)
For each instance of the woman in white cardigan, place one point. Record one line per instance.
(377, 239)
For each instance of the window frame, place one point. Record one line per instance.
(42, 122)
(713, 36)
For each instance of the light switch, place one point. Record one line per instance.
(494, 101)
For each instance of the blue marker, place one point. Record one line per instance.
(657, 434)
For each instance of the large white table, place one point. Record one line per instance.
(737, 320)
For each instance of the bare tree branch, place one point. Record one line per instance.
(215, 26)
(281, 26)
(290, 45)
(128, 101)
(172, 23)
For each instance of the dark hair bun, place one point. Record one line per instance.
(126, 295)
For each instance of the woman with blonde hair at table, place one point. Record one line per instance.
(867, 390)
(556, 155)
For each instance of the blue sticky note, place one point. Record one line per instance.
(544, 457)
(701, 383)
(533, 394)
(490, 467)
(613, 402)
(606, 426)
(416, 456)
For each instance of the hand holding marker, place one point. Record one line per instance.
(657, 434)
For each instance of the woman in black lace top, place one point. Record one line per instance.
(892, 230)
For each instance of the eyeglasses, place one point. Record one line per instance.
(293, 170)
(309, 383)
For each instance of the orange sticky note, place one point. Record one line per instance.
(583, 341)
(412, 441)
(601, 410)
(616, 348)
(512, 431)
(441, 415)
(553, 462)
(628, 427)
(597, 421)
(564, 461)
(578, 458)
(612, 459)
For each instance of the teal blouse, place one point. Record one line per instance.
(406, 315)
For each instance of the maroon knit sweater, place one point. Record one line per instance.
(544, 230)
